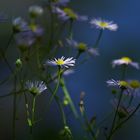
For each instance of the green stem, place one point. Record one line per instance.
(89, 126)
(56, 88)
(124, 121)
(28, 113)
(14, 110)
(60, 107)
(98, 39)
(71, 30)
(8, 43)
(115, 116)
(33, 109)
(67, 95)
(118, 105)
(38, 57)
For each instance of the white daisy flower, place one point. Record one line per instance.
(36, 87)
(119, 83)
(125, 61)
(35, 11)
(62, 62)
(104, 24)
(82, 47)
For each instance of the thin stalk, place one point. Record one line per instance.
(14, 110)
(67, 95)
(115, 116)
(118, 105)
(33, 113)
(71, 29)
(124, 121)
(98, 39)
(8, 43)
(89, 126)
(33, 109)
(28, 113)
(60, 107)
(56, 88)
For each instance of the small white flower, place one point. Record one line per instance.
(35, 10)
(36, 87)
(125, 61)
(103, 24)
(62, 62)
(119, 83)
(82, 47)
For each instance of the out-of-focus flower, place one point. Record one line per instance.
(35, 11)
(19, 25)
(135, 84)
(125, 61)
(120, 83)
(24, 40)
(62, 62)
(67, 13)
(37, 30)
(35, 87)
(131, 87)
(68, 72)
(134, 88)
(82, 47)
(104, 24)
(122, 110)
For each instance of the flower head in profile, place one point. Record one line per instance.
(104, 24)
(35, 11)
(119, 83)
(82, 47)
(67, 13)
(24, 40)
(19, 25)
(36, 87)
(125, 61)
(62, 62)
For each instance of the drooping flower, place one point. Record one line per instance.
(131, 87)
(119, 83)
(20, 25)
(123, 111)
(125, 61)
(24, 40)
(62, 62)
(67, 13)
(35, 11)
(82, 47)
(35, 87)
(104, 24)
(37, 30)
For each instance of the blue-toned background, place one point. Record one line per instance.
(91, 76)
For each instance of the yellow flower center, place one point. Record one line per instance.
(126, 59)
(70, 13)
(33, 27)
(60, 62)
(123, 83)
(103, 24)
(134, 84)
(82, 46)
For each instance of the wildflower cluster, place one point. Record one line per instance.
(40, 45)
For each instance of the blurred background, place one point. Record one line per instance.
(90, 77)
